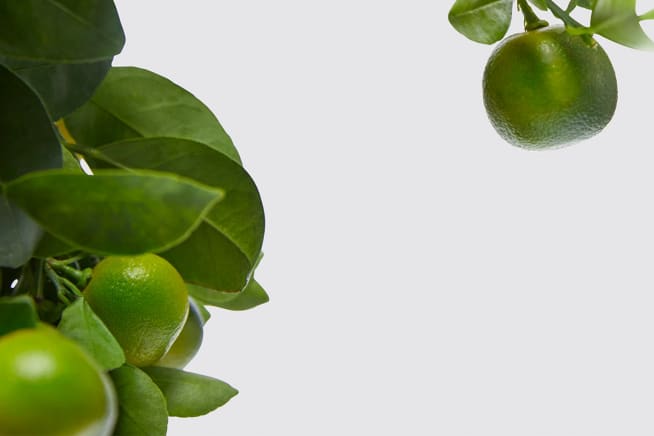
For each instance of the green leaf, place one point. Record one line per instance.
(62, 87)
(540, 4)
(205, 315)
(114, 212)
(134, 103)
(142, 406)
(60, 31)
(188, 394)
(251, 296)
(19, 235)
(17, 313)
(29, 143)
(223, 250)
(617, 20)
(51, 246)
(485, 21)
(81, 324)
(587, 4)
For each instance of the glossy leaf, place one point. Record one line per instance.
(134, 103)
(142, 406)
(226, 246)
(205, 315)
(188, 394)
(485, 21)
(17, 313)
(29, 143)
(62, 87)
(114, 212)
(617, 20)
(60, 30)
(81, 324)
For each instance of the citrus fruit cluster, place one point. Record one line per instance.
(52, 385)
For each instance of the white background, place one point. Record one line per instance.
(426, 278)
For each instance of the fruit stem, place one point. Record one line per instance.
(81, 278)
(532, 22)
(63, 286)
(572, 25)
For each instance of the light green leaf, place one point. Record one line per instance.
(62, 87)
(142, 406)
(81, 324)
(485, 21)
(617, 20)
(60, 30)
(135, 103)
(17, 313)
(114, 212)
(188, 394)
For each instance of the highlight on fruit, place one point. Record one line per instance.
(552, 85)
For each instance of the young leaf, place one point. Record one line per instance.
(17, 313)
(114, 212)
(60, 31)
(133, 103)
(80, 323)
(617, 20)
(62, 87)
(142, 406)
(188, 394)
(233, 230)
(485, 21)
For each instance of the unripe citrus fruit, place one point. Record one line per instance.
(546, 88)
(187, 343)
(49, 386)
(142, 300)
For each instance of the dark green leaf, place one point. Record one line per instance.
(485, 21)
(62, 87)
(29, 143)
(51, 246)
(81, 324)
(134, 103)
(540, 4)
(222, 253)
(60, 30)
(207, 257)
(17, 313)
(142, 406)
(19, 235)
(617, 20)
(188, 394)
(251, 296)
(114, 212)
